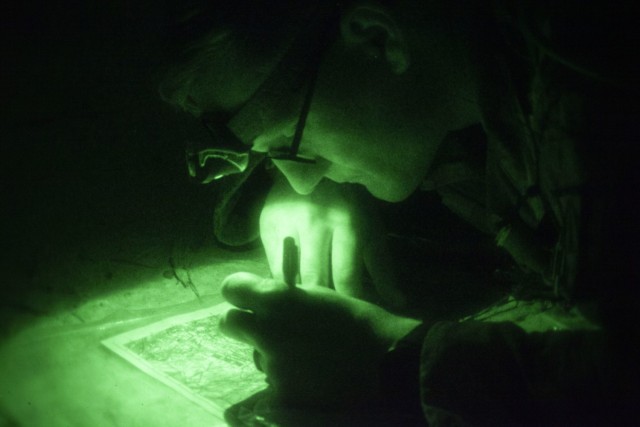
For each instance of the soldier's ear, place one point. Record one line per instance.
(373, 29)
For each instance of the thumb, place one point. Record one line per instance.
(249, 291)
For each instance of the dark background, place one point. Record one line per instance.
(92, 160)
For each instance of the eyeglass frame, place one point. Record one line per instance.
(217, 125)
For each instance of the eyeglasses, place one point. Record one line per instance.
(294, 77)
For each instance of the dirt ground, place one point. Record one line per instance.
(98, 218)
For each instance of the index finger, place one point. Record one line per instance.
(315, 252)
(272, 243)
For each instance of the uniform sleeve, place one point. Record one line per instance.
(477, 373)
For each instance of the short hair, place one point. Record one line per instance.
(202, 31)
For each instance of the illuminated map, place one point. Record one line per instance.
(188, 353)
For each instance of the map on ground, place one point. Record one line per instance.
(188, 353)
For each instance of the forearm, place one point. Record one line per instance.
(495, 373)
(388, 328)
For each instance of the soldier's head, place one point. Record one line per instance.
(363, 90)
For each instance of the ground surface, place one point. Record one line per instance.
(97, 216)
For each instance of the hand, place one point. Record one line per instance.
(338, 235)
(316, 346)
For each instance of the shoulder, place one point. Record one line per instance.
(594, 39)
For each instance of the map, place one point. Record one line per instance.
(188, 353)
